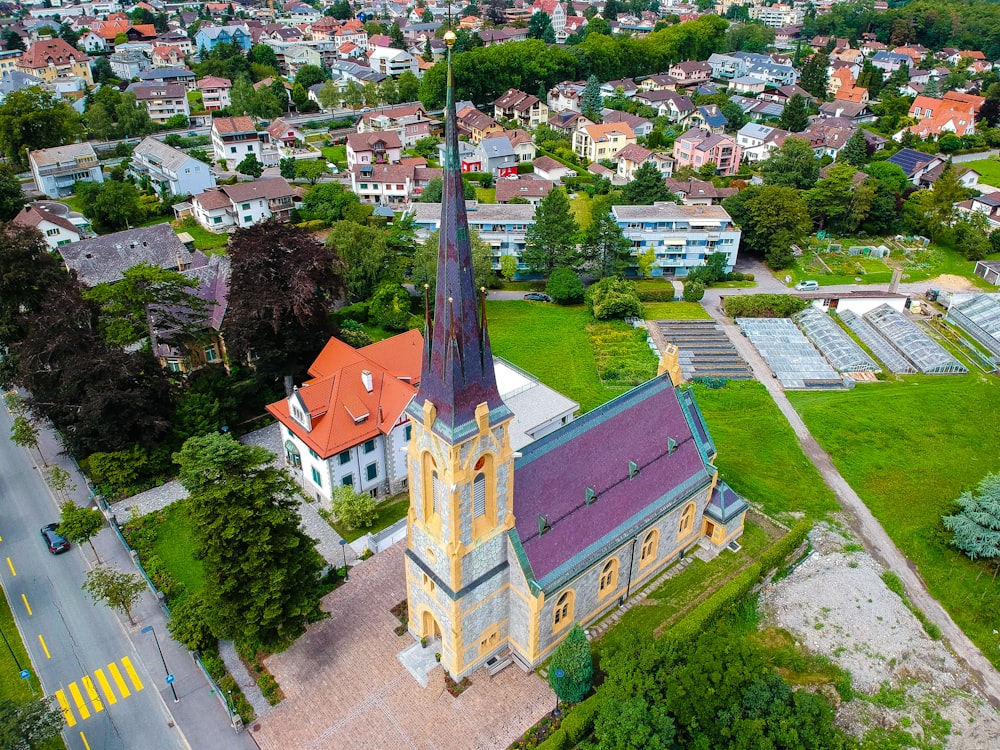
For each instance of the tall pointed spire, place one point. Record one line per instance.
(458, 370)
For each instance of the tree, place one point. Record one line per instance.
(772, 219)
(792, 165)
(646, 188)
(11, 194)
(286, 168)
(389, 307)
(645, 261)
(27, 725)
(540, 27)
(388, 91)
(27, 271)
(24, 434)
(508, 267)
(80, 525)
(356, 510)
(425, 262)
(551, 241)
(61, 481)
(572, 658)
(263, 55)
(267, 587)
(396, 37)
(834, 202)
(693, 291)
(972, 236)
(564, 286)
(975, 526)
(633, 724)
(329, 95)
(855, 151)
(310, 75)
(282, 285)
(604, 247)
(299, 95)
(428, 54)
(434, 191)
(368, 260)
(110, 205)
(613, 297)
(32, 118)
(593, 102)
(329, 202)
(251, 166)
(409, 86)
(814, 77)
(794, 117)
(311, 170)
(352, 95)
(118, 590)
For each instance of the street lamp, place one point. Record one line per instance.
(559, 675)
(170, 677)
(343, 548)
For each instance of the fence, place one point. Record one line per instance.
(380, 540)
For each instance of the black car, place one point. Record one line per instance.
(55, 541)
(537, 297)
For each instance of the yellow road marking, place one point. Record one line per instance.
(12, 571)
(84, 738)
(117, 677)
(131, 673)
(64, 704)
(95, 701)
(109, 694)
(81, 706)
(27, 606)
(44, 647)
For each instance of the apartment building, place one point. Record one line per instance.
(57, 169)
(501, 226)
(698, 147)
(170, 171)
(215, 92)
(233, 138)
(598, 142)
(161, 100)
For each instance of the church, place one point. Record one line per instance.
(507, 548)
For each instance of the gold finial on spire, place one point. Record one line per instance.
(449, 38)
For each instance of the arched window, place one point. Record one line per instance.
(431, 491)
(609, 578)
(479, 495)
(562, 615)
(484, 501)
(649, 545)
(687, 521)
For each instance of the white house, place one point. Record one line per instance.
(169, 170)
(393, 62)
(57, 230)
(57, 169)
(234, 138)
(244, 204)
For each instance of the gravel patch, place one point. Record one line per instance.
(836, 604)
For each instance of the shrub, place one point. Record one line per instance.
(579, 722)
(564, 286)
(355, 510)
(525, 167)
(657, 295)
(389, 307)
(693, 291)
(352, 333)
(763, 305)
(572, 656)
(189, 625)
(613, 297)
(358, 311)
(127, 472)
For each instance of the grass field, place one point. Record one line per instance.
(582, 207)
(336, 155)
(759, 455)
(486, 195)
(389, 511)
(175, 548)
(621, 353)
(989, 170)
(203, 239)
(674, 311)
(909, 448)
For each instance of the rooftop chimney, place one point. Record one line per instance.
(366, 378)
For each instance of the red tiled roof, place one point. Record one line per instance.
(42, 53)
(225, 125)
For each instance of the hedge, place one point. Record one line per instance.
(764, 305)
(525, 167)
(657, 295)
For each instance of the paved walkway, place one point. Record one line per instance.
(345, 687)
(863, 522)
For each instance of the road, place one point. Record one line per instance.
(81, 653)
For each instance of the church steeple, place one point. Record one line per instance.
(457, 372)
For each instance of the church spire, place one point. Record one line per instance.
(457, 373)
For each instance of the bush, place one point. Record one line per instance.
(128, 472)
(358, 311)
(355, 510)
(657, 295)
(573, 657)
(525, 167)
(763, 305)
(579, 722)
(389, 307)
(613, 297)
(693, 291)
(188, 624)
(564, 286)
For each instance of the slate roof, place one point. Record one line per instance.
(725, 504)
(105, 259)
(594, 451)
(212, 286)
(15, 80)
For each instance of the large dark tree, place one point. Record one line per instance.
(27, 271)
(794, 117)
(772, 218)
(31, 119)
(606, 250)
(99, 397)
(282, 287)
(262, 573)
(11, 194)
(646, 188)
(792, 165)
(550, 242)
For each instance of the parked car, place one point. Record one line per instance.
(55, 541)
(807, 286)
(537, 297)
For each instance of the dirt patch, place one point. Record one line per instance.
(952, 283)
(836, 604)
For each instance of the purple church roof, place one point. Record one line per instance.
(629, 435)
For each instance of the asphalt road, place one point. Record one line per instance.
(80, 651)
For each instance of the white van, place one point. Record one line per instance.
(807, 286)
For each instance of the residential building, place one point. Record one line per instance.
(709, 117)
(169, 170)
(633, 156)
(233, 138)
(640, 125)
(57, 230)
(209, 36)
(890, 62)
(699, 193)
(669, 104)
(379, 147)
(757, 141)
(661, 82)
(128, 64)
(57, 169)
(828, 136)
(50, 59)
(501, 226)
(105, 259)
(177, 38)
(162, 101)
(681, 237)
(345, 71)
(476, 124)
(522, 143)
(599, 142)
(531, 191)
(15, 80)
(228, 207)
(91, 42)
(548, 168)
(391, 184)
(393, 62)
(691, 72)
(777, 15)
(215, 92)
(528, 111)
(698, 147)
(409, 121)
(494, 155)
(624, 86)
(566, 96)
(749, 85)
(183, 76)
(856, 112)
(167, 56)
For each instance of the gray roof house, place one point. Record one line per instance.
(170, 170)
(496, 156)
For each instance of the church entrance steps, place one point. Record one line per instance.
(499, 663)
(419, 660)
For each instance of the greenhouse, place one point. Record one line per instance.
(838, 348)
(887, 355)
(979, 317)
(928, 356)
(790, 355)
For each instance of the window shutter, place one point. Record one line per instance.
(439, 494)
(479, 496)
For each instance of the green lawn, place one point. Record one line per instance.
(909, 448)
(621, 353)
(486, 195)
(759, 455)
(582, 207)
(203, 239)
(551, 343)
(336, 155)
(989, 170)
(674, 311)
(175, 548)
(389, 511)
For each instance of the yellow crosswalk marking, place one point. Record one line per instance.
(81, 706)
(95, 701)
(126, 662)
(109, 694)
(64, 705)
(119, 681)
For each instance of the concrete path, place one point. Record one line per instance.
(865, 525)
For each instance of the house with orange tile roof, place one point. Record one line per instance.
(841, 78)
(50, 59)
(599, 142)
(857, 94)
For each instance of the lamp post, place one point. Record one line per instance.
(559, 675)
(170, 677)
(343, 548)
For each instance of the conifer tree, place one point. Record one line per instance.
(573, 661)
(593, 102)
(855, 151)
(794, 118)
(976, 527)
(814, 75)
(550, 242)
(646, 188)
